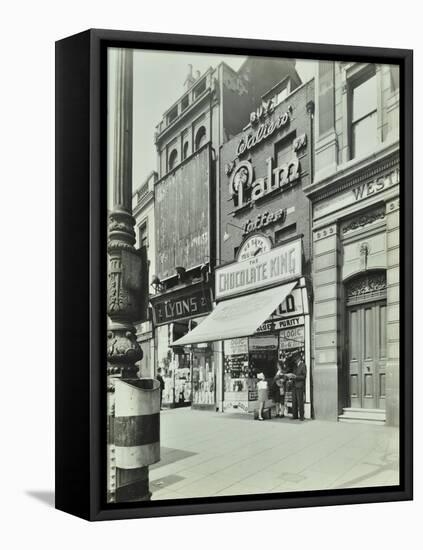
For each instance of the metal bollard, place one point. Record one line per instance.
(136, 435)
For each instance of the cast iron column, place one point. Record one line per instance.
(124, 282)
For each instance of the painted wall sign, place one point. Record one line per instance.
(265, 219)
(291, 338)
(264, 131)
(253, 246)
(245, 190)
(185, 190)
(275, 266)
(258, 343)
(356, 194)
(236, 346)
(192, 304)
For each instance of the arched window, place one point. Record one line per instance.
(173, 159)
(185, 150)
(200, 138)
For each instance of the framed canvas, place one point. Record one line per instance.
(234, 274)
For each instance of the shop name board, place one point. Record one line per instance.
(372, 187)
(269, 268)
(245, 190)
(172, 309)
(280, 324)
(258, 343)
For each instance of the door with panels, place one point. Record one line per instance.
(366, 349)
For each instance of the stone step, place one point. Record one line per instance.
(368, 416)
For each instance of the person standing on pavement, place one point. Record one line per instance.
(262, 394)
(298, 377)
(159, 377)
(278, 390)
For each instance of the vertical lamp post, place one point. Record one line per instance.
(130, 400)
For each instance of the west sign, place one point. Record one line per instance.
(267, 269)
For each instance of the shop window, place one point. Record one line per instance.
(200, 138)
(173, 159)
(363, 108)
(285, 233)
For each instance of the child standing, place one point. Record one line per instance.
(262, 394)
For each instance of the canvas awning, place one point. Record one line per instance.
(237, 317)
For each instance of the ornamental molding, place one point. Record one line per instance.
(325, 232)
(365, 285)
(362, 220)
(356, 176)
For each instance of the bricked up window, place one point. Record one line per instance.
(283, 149)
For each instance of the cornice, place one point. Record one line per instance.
(354, 173)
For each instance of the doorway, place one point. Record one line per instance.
(366, 342)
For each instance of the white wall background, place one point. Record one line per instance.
(29, 30)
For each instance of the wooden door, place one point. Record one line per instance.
(367, 355)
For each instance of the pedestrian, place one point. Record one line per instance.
(278, 390)
(262, 394)
(298, 377)
(159, 377)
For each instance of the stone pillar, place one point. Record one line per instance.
(124, 280)
(393, 320)
(326, 331)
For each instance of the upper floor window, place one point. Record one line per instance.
(363, 116)
(184, 103)
(185, 150)
(394, 71)
(172, 114)
(281, 95)
(143, 235)
(200, 138)
(173, 159)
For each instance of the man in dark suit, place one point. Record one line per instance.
(159, 377)
(298, 378)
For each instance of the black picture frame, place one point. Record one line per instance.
(81, 267)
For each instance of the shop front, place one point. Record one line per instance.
(261, 316)
(283, 336)
(188, 372)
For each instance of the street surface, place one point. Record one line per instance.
(213, 454)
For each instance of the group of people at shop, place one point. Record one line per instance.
(288, 379)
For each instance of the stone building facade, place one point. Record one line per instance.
(213, 107)
(143, 212)
(355, 233)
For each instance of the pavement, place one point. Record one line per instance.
(206, 454)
